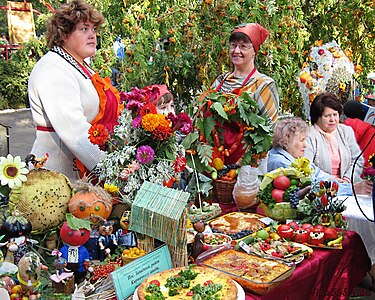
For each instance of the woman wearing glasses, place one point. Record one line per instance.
(244, 44)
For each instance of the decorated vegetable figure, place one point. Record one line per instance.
(29, 268)
(63, 279)
(198, 239)
(90, 202)
(125, 238)
(74, 233)
(107, 240)
(15, 229)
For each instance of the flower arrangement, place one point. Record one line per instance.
(368, 173)
(144, 145)
(214, 111)
(327, 69)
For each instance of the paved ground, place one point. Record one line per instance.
(21, 131)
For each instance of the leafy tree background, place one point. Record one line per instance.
(184, 42)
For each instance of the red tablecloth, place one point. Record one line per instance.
(329, 274)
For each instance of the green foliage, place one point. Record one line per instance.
(184, 43)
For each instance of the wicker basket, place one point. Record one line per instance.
(223, 190)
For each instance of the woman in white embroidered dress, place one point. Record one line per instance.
(66, 95)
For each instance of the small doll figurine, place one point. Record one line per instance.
(75, 233)
(125, 238)
(63, 279)
(107, 240)
(15, 229)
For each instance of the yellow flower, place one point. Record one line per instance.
(319, 43)
(152, 121)
(112, 189)
(303, 165)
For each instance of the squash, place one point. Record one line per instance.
(90, 202)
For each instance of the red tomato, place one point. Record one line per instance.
(208, 282)
(330, 234)
(307, 227)
(281, 182)
(156, 282)
(316, 237)
(320, 227)
(285, 231)
(74, 237)
(190, 293)
(278, 195)
(294, 225)
(301, 236)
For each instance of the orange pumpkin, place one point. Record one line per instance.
(86, 204)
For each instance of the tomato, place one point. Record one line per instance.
(277, 195)
(156, 282)
(208, 282)
(316, 237)
(190, 293)
(281, 182)
(319, 226)
(330, 234)
(307, 227)
(74, 237)
(294, 225)
(285, 231)
(301, 236)
(265, 246)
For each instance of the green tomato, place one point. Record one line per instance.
(262, 234)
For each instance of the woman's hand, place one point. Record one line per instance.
(364, 187)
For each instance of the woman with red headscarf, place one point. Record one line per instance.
(244, 43)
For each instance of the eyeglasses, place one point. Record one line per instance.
(243, 47)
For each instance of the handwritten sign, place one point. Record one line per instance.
(129, 277)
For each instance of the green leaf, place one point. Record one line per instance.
(216, 106)
(76, 223)
(204, 153)
(209, 125)
(190, 139)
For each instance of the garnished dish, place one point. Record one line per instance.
(253, 273)
(212, 240)
(192, 282)
(285, 250)
(237, 225)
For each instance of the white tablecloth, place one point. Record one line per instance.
(358, 222)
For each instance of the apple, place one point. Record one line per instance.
(277, 194)
(281, 182)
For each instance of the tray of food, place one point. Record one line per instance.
(255, 274)
(287, 251)
(237, 224)
(188, 282)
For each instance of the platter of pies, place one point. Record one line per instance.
(255, 274)
(185, 282)
(237, 224)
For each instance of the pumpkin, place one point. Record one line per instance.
(92, 203)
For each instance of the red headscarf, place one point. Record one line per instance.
(156, 92)
(257, 33)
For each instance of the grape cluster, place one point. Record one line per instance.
(222, 173)
(235, 236)
(293, 198)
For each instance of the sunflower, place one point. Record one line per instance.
(12, 171)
